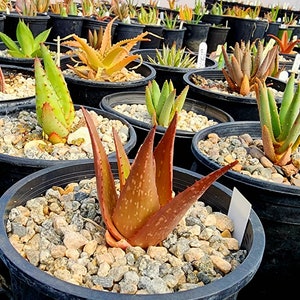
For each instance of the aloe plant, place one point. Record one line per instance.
(244, 65)
(54, 107)
(286, 46)
(144, 212)
(173, 57)
(280, 127)
(107, 62)
(27, 45)
(162, 104)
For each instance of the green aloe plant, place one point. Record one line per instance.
(54, 107)
(280, 127)
(144, 211)
(162, 103)
(27, 46)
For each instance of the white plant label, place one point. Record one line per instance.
(202, 55)
(239, 212)
(296, 64)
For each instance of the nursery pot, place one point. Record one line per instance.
(154, 41)
(164, 73)
(278, 207)
(92, 24)
(239, 107)
(14, 168)
(29, 282)
(182, 149)
(90, 92)
(216, 36)
(37, 24)
(171, 36)
(194, 35)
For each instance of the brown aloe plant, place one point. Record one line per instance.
(280, 127)
(54, 107)
(107, 61)
(163, 103)
(243, 66)
(286, 46)
(144, 211)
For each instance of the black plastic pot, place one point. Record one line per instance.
(2, 20)
(214, 19)
(90, 92)
(272, 28)
(239, 107)
(182, 150)
(29, 62)
(29, 282)
(171, 36)
(278, 207)
(11, 69)
(217, 35)
(127, 31)
(242, 29)
(194, 35)
(64, 26)
(154, 42)
(14, 168)
(37, 24)
(164, 73)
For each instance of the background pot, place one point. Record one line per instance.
(64, 26)
(182, 150)
(171, 36)
(11, 69)
(14, 168)
(28, 282)
(29, 62)
(217, 35)
(164, 73)
(154, 41)
(239, 107)
(37, 24)
(194, 35)
(90, 92)
(278, 207)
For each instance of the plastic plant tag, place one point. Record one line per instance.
(202, 55)
(296, 64)
(284, 75)
(239, 212)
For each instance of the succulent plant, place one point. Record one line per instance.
(54, 107)
(28, 46)
(163, 103)
(109, 61)
(244, 65)
(280, 127)
(144, 211)
(173, 57)
(285, 45)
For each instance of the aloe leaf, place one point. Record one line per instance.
(122, 159)
(276, 126)
(25, 38)
(159, 225)
(149, 99)
(164, 117)
(107, 195)
(179, 101)
(16, 54)
(59, 85)
(9, 43)
(162, 98)
(41, 38)
(155, 93)
(163, 154)
(131, 209)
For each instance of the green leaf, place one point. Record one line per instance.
(164, 117)
(9, 43)
(25, 38)
(165, 91)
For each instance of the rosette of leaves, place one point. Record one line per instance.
(27, 46)
(162, 104)
(144, 211)
(286, 46)
(280, 127)
(106, 62)
(248, 62)
(54, 107)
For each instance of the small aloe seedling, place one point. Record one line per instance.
(28, 46)
(280, 129)
(244, 66)
(110, 59)
(285, 45)
(163, 103)
(144, 212)
(54, 107)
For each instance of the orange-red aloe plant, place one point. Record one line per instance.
(144, 212)
(285, 45)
